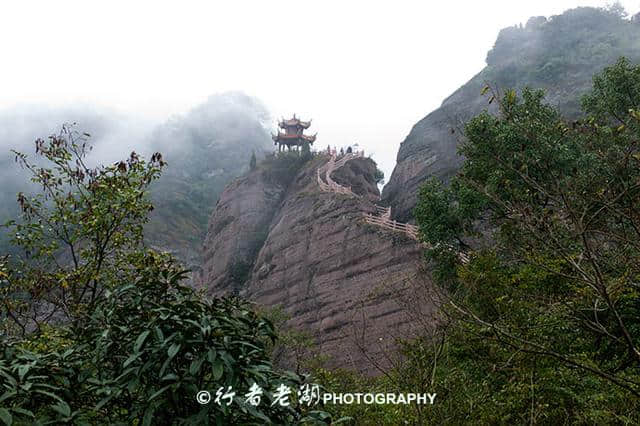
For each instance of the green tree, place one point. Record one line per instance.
(78, 236)
(379, 176)
(548, 211)
(142, 356)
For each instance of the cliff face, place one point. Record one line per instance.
(559, 54)
(337, 278)
(238, 229)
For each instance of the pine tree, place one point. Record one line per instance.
(306, 151)
(253, 162)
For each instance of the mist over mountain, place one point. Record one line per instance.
(498, 269)
(205, 148)
(113, 136)
(559, 54)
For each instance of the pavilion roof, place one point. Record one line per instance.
(294, 122)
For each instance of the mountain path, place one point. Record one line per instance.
(382, 218)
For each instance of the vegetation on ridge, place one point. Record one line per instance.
(543, 320)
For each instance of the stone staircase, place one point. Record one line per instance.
(330, 185)
(382, 218)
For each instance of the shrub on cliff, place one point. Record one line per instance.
(282, 167)
(253, 162)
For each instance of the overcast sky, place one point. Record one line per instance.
(364, 71)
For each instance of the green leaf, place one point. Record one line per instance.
(49, 394)
(102, 402)
(129, 360)
(62, 408)
(211, 355)
(148, 417)
(159, 334)
(6, 417)
(156, 394)
(217, 369)
(194, 368)
(173, 350)
(12, 381)
(23, 412)
(140, 340)
(7, 394)
(170, 376)
(22, 370)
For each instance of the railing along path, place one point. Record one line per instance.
(330, 167)
(382, 217)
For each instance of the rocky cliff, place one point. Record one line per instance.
(559, 54)
(288, 244)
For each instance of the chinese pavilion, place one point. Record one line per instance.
(293, 133)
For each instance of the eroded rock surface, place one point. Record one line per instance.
(339, 279)
(237, 230)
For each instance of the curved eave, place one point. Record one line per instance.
(283, 124)
(283, 137)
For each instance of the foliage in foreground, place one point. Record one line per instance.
(98, 329)
(544, 318)
(79, 235)
(145, 352)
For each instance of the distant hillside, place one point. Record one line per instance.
(559, 54)
(205, 149)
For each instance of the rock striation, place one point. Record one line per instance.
(237, 230)
(340, 280)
